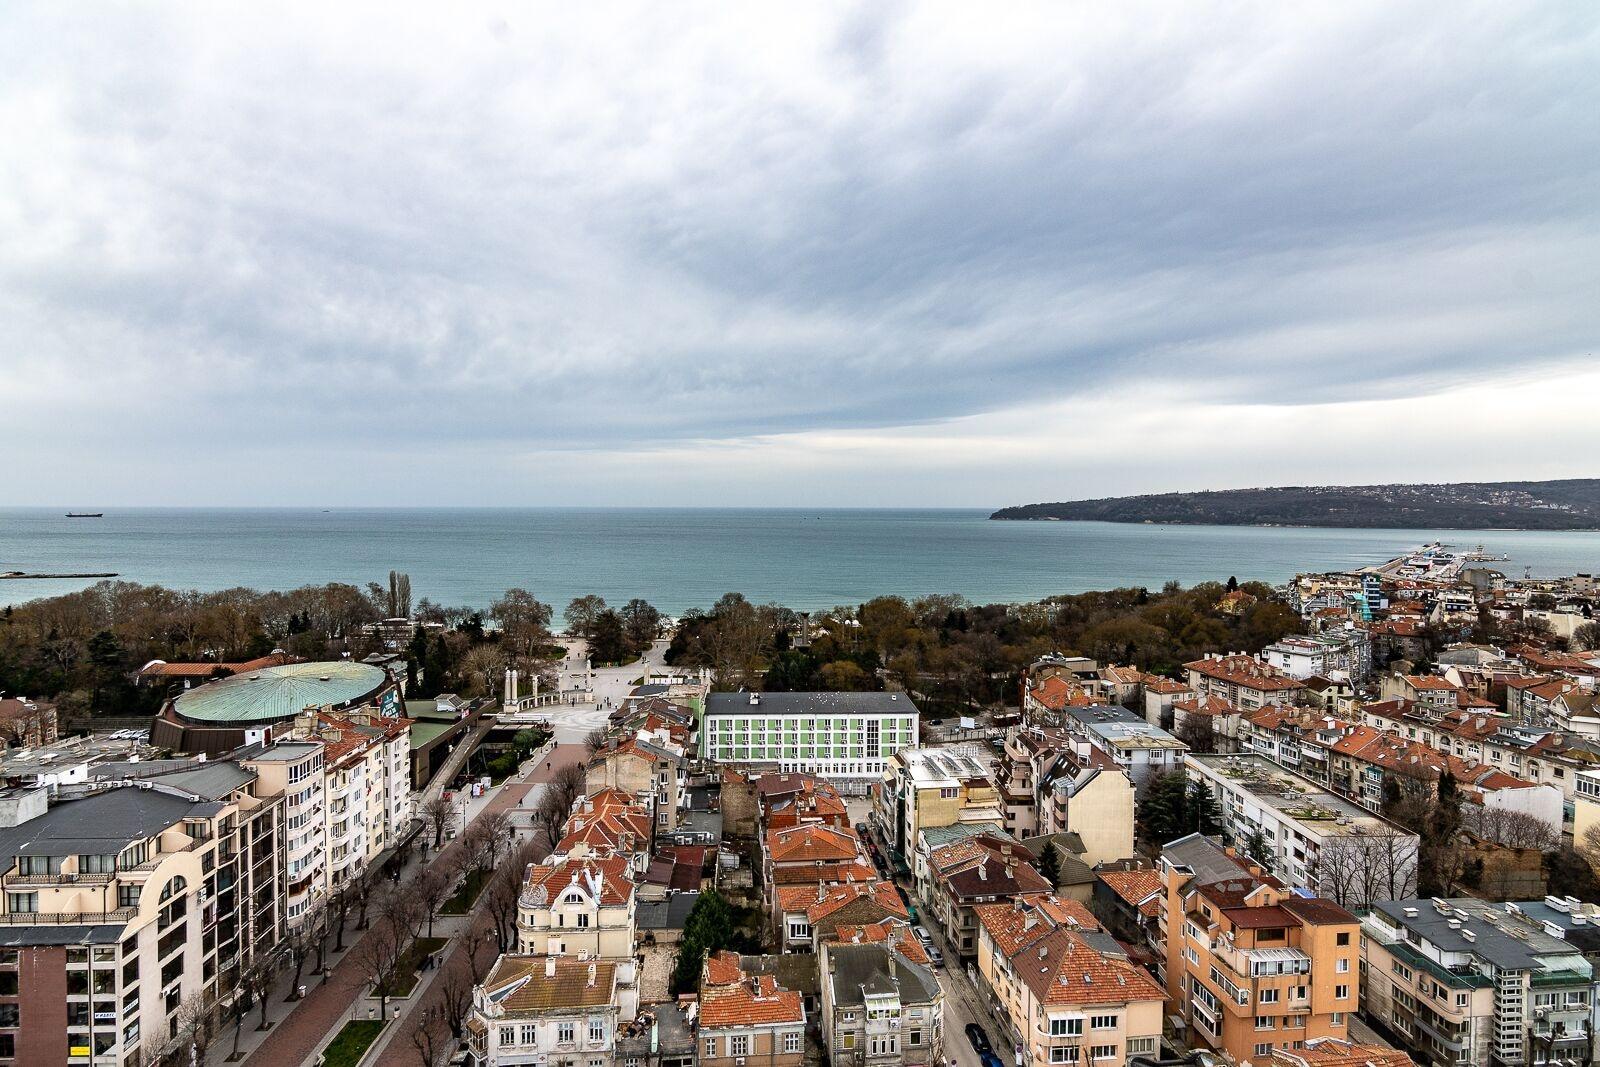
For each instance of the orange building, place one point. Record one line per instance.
(1253, 967)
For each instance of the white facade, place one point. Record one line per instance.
(836, 739)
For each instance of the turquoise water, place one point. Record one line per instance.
(681, 558)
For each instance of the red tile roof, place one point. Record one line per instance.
(607, 874)
(809, 843)
(1245, 671)
(752, 1001)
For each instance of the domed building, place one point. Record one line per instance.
(224, 714)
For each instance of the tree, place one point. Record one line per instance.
(1256, 847)
(1050, 864)
(1586, 638)
(301, 941)
(641, 623)
(844, 676)
(438, 813)
(428, 1037)
(581, 614)
(195, 1027)
(431, 889)
(595, 740)
(455, 995)
(1163, 811)
(607, 641)
(379, 954)
(708, 929)
(1199, 732)
(523, 620)
(1203, 815)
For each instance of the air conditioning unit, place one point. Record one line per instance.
(739, 1060)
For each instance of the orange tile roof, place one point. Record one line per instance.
(1063, 968)
(1338, 1052)
(1246, 671)
(808, 843)
(722, 968)
(546, 881)
(758, 1001)
(892, 931)
(881, 893)
(520, 983)
(1142, 889)
(1208, 706)
(1154, 683)
(811, 875)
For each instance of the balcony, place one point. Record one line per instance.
(57, 879)
(67, 918)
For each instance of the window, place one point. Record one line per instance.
(564, 1033)
(597, 1030)
(1336, 1019)
(1137, 1045)
(1342, 939)
(1269, 996)
(1064, 1054)
(1102, 1052)
(1066, 1027)
(508, 1035)
(18, 903)
(1103, 1022)
(739, 1045)
(914, 1039)
(1263, 1022)
(1342, 966)
(799, 929)
(1341, 992)
(791, 1041)
(530, 1034)
(711, 1046)
(1264, 1049)
(583, 920)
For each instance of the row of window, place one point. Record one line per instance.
(739, 1044)
(527, 1034)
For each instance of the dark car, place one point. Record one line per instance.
(990, 1059)
(979, 1039)
(861, 827)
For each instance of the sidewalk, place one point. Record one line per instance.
(299, 1032)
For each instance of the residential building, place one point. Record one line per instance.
(294, 770)
(1344, 652)
(1159, 696)
(813, 855)
(748, 1018)
(1463, 981)
(975, 871)
(648, 763)
(1252, 966)
(27, 723)
(1129, 905)
(1064, 986)
(1051, 781)
(1142, 751)
(578, 906)
(1222, 718)
(809, 915)
(548, 1010)
(845, 737)
(1313, 837)
(1338, 1052)
(934, 787)
(126, 901)
(608, 823)
(880, 1006)
(1243, 681)
(1576, 922)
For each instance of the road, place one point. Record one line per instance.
(607, 686)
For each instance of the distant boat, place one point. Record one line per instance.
(86, 514)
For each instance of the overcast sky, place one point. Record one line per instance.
(800, 254)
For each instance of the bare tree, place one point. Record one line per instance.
(431, 889)
(478, 957)
(429, 1037)
(256, 981)
(343, 899)
(497, 834)
(567, 784)
(595, 741)
(400, 907)
(378, 958)
(550, 820)
(455, 994)
(360, 888)
(302, 941)
(1512, 829)
(438, 814)
(195, 1028)
(503, 893)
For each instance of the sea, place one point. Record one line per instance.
(681, 558)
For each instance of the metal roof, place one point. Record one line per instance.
(817, 704)
(275, 693)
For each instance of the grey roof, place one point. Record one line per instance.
(1488, 924)
(702, 822)
(97, 825)
(875, 968)
(1583, 934)
(940, 836)
(811, 704)
(30, 936)
(214, 780)
(669, 914)
(1069, 857)
(796, 971)
(1204, 857)
(672, 1036)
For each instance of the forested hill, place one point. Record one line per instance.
(1570, 504)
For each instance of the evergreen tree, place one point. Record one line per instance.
(1203, 814)
(708, 929)
(1050, 865)
(1162, 813)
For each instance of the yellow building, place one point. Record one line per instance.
(1065, 986)
(929, 787)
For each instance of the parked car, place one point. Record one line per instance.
(979, 1039)
(990, 1059)
(935, 957)
(922, 935)
(861, 827)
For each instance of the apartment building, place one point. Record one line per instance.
(367, 784)
(1159, 696)
(1344, 652)
(805, 915)
(1064, 986)
(1297, 738)
(880, 1006)
(573, 906)
(748, 1019)
(1314, 837)
(845, 737)
(548, 1010)
(1142, 751)
(1464, 981)
(648, 763)
(1050, 781)
(294, 770)
(978, 870)
(933, 787)
(1243, 681)
(811, 855)
(1252, 966)
(126, 902)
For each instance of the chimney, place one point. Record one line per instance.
(591, 974)
(549, 966)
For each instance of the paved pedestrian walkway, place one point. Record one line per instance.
(331, 1000)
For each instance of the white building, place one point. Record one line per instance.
(1313, 837)
(548, 1010)
(845, 737)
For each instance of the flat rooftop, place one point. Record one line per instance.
(814, 704)
(68, 752)
(1294, 796)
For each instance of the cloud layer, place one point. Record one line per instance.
(502, 254)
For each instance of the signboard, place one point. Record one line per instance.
(389, 706)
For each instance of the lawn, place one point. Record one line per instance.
(352, 1043)
(461, 901)
(405, 974)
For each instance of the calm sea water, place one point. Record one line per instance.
(681, 558)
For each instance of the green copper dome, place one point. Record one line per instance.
(274, 693)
